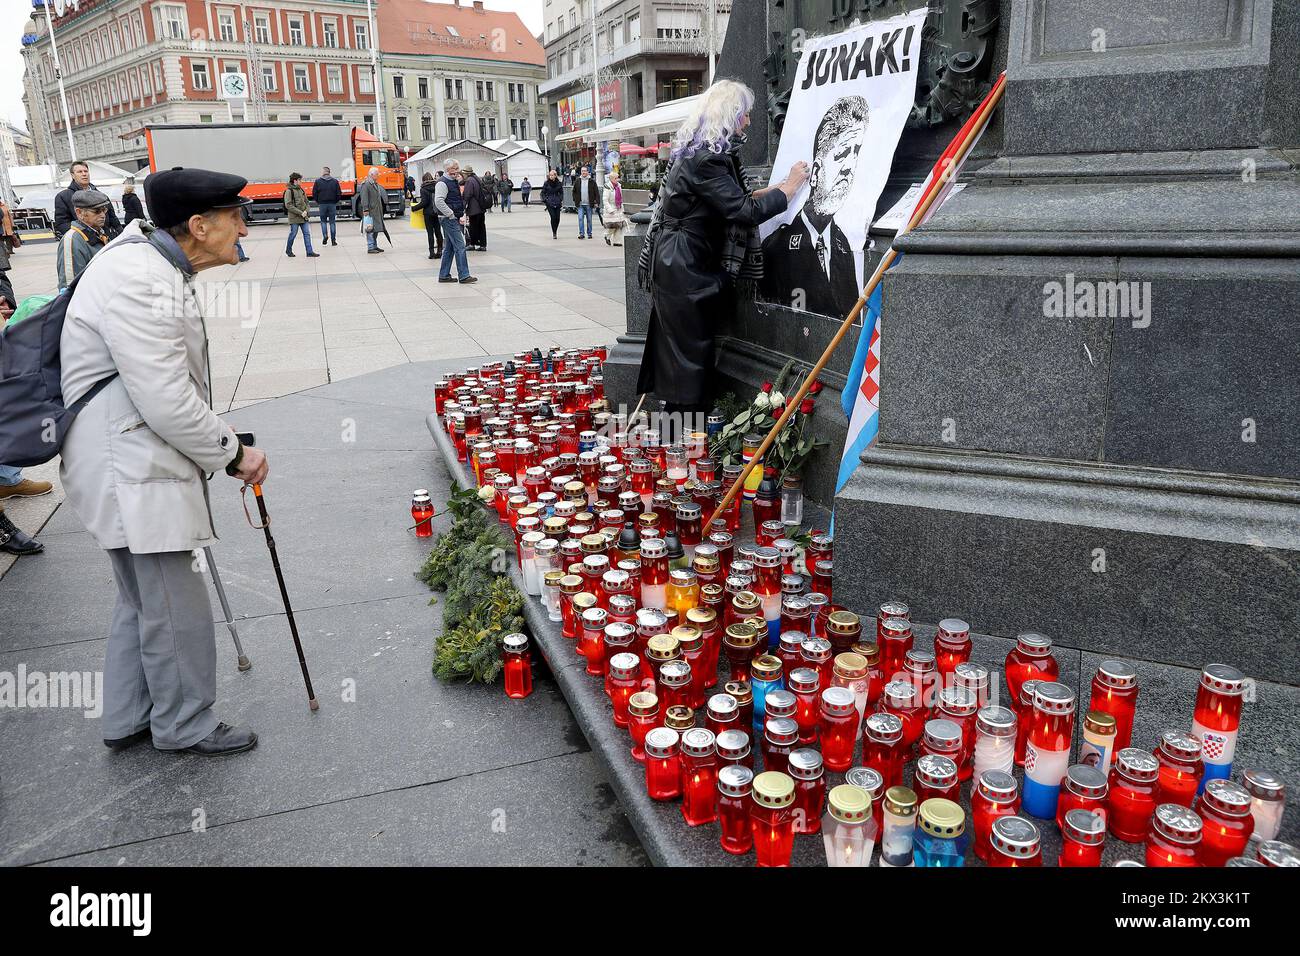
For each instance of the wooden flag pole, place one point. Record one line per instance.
(918, 215)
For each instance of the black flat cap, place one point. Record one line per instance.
(176, 194)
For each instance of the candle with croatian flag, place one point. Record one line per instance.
(1047, 751)
(1217, 717)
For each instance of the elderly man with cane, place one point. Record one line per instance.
(136, 459)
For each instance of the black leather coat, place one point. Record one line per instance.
(689, 287)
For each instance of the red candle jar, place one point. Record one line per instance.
(765, 534)
(795, 610)
(624, 682)
(570, 586)
(691, 644)
(893, 640)
(622, 610)
(620, 638)
(441, 389)
(790, 651)
(740, 644)
(771, 817)
(943, 739)
(875, 678)
(805, 685)
(1132, 797)
(1115, 692)
(422, 513)
(838, 727)
(975, 679)
(882, 747)
(689, 530)
(951, 645)
(961, 707)
(767, 583)
(1179, 754)
(1217, 717)
(721, 713)
(1015, 842)
(900, 698)
(805, 767)
(705, 565)
(994, 795)
(725, 544)
(592, 644)
(675, 684)
(1227, 823)
(1083, 837)
(819, 656)
(642, 717)
(843, 630)
(936, 776)
(1175, 837)
(735, 785)
(1084, 788)
(744, 694)
(663, 771)
(734, 749)
(1047, 752)
(819, 605)
(744, 605)
(789, 551)
(517, 664)
(1030, 659)
(780, 737)
(705, 620)
(699, 777)
(919, 668)
(614, 582)
(1024, 708)
(641, 472)
(650, 622)
(821, 547)
(661, 502)
(823, 574)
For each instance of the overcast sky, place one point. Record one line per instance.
(14, 13)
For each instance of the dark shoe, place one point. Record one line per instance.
(121, 743)
(313, 255)
(447, 279)
(607, 242)
(468, 279)
(243, 258)
(222, 741)
(334, 242)
(14, 541)
(290, 255)
(372, 252)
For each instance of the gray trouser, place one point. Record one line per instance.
(160, 669)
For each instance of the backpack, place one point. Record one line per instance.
(33, 418)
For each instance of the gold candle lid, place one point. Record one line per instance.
(766, 667)
(900, 801)
(745, 601)
(942, 818)
(663, 647)
(742, 635)
(679, 717)
(849, 804)
(701, 617)
(1100, 722)
(584, 601)
(571, 583)
(740, 690)
(843, 622)
(773, 789)
(850, 666)
(552, 579)
(643, 704)
(869, 651)
(689, 637)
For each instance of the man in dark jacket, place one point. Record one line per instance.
(64, 216)
(327, 192)
(586, 196)
(476, 210)
(372, 203)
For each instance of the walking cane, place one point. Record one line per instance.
(243, 662)
(279, 577)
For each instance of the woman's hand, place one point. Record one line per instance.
(794, 179)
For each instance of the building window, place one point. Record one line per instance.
(401, 128)
(226, 27)
(301, 81)
(399, 86)
(368, 123)
(456, 127)
(202, 78)
(331, 33)
(634, 28)
(297, 35)
(361, 30)
(231, 66)
(171, 21)
(273, 117)
(268, 79)
(491, 90)
(262, 28)
(205, 117)
(334, 74)
(365, 81)
(304, 117)
(426, 128)
(455, 89)
(423, 84)
(337, 117)
(478, 89)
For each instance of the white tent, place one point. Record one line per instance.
(36, 186)
(526, 162)
(480, 156)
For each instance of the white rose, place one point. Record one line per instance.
(762, 402)
(777, 399)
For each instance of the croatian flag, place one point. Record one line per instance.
(1044, 770)
(1217, 750)
(862, 390)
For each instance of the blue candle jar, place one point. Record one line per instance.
(765, 675)
(940, 834)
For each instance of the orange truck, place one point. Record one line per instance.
(266, 153)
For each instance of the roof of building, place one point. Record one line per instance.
(433, 149)
(456, 29)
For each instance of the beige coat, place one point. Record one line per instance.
(611, 213)
(134, 459)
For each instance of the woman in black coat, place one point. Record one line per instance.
(432, 224)
(476, 209)
(553, 199)
(703, 226)
(132, 208)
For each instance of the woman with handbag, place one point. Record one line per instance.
(702, 247)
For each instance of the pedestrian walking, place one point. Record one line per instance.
(525, 187)
(85, 237)
(135, 460)
(505, 186)
(132, 208)
(489, 183)
(371, 204)
(614, 218)
(432, 219)
(475, 210)
(449, 204)
(298, 206)
(327, 192)
(586, 196)
(64, 215)
(409, 184)
(553, 199)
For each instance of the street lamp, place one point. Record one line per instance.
(376, 81)
(58, 67)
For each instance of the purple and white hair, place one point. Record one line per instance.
(714, 119)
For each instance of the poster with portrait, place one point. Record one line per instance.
(852, 94)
